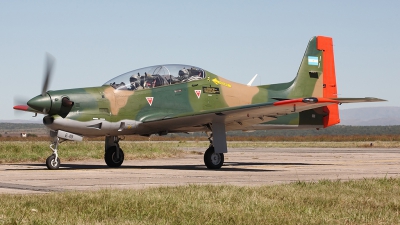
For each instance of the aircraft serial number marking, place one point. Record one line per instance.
(211, 90)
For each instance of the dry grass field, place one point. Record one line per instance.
(369, 201)
(35, 149)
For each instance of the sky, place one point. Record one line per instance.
(94, 41)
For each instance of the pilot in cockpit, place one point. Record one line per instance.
(186, 75)
(135, 82)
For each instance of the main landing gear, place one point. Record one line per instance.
(113, 156)
(212, 159)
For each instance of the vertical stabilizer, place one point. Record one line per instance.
(316, 77)
(309, 78)
(325, 44)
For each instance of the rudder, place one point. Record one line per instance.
(325, 44)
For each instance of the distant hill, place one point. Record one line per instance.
(371, 116)
(15, 129)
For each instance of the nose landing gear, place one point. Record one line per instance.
(59, 136)
(53, 162)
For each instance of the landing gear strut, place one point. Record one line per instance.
(212, 159)
(59, 136)
(53, 162)
(113, 156)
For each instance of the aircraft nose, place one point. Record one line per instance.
(40, 103)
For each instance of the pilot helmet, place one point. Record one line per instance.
(134, 78)
(183, 73)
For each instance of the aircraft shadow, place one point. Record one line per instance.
(228, 166)
(274, 164)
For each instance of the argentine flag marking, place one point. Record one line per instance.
(313, 60)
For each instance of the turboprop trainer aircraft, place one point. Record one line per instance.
(181, 98)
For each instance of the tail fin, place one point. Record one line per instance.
(316, 76)
(325, 44)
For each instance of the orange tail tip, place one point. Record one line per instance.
(325, 44)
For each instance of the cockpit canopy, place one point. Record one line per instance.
(155, 76)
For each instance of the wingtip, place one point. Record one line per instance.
(372, 99)
(355, 100)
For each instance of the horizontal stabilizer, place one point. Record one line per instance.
(355, 100)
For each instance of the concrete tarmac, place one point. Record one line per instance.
(243, 166)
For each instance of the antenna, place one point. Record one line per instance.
(251, 81)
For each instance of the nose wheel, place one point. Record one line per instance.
(53, 162)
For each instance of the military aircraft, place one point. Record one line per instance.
(166, 99)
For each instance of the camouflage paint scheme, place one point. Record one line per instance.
(308, 101)
(100, 111)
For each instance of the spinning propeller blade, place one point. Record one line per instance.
(48, 71)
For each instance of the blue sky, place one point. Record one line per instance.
(94, 41)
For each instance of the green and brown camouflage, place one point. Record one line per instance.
(180, 98)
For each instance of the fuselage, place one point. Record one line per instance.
(113, 109)
(127, 104)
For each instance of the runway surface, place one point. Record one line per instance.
(243, 166)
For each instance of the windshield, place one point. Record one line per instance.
(155, 76)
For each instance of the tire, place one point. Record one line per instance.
(213, 160)
(51, 162)
(110, 157)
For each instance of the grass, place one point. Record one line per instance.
(369, 201)
(38, 151)
(32, 151)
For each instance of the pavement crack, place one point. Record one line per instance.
(30, 187)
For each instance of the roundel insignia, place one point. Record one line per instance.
(198, 93)
(150, 100)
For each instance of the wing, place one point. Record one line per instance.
(235, 118)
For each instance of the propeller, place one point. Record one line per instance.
(19, 101)
(48, 103)
(65, 102)
(42, 102)
(47, 74)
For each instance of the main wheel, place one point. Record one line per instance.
(52, 163)
(213, 160)
(111, 157)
